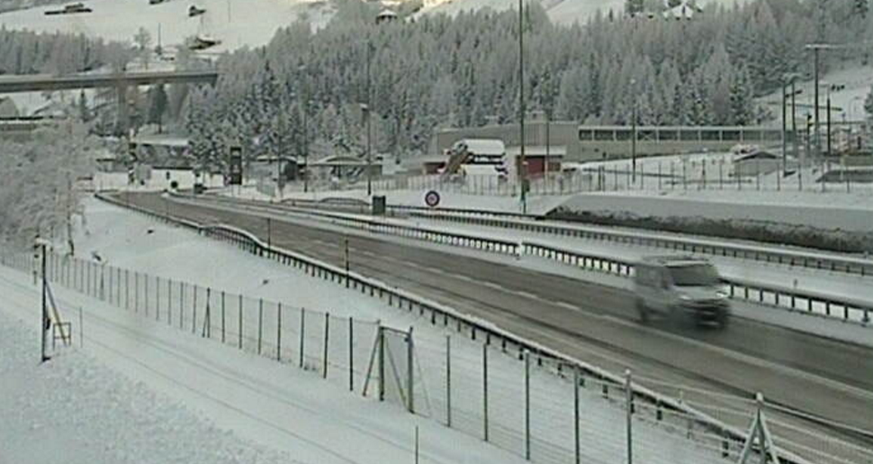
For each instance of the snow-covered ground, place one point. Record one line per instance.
(236, 23)
(77, 410)
(254, 397)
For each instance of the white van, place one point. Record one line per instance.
(681, 287)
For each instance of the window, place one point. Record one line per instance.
(730, 135)
(668, 134)
(586, 135)
(622, 135)
(606, 135)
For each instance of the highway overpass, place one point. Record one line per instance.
(46, 82)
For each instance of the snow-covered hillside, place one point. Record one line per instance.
(560, 11)
(235, 23)
(854, 82)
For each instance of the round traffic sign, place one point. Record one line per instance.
(432, 198)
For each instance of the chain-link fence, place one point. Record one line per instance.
(336, 348)
(544, 409)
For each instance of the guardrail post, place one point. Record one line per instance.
(222, 317)
(485, 391)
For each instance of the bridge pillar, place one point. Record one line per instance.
(123, 120)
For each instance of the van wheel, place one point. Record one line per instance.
(643, 311)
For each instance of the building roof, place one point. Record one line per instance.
(483, 146)
(555, 151)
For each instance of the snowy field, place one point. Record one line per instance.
(236, 23)
(122, 239)
(78, 409)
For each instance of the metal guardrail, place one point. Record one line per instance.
(439, 314)
(848, 265)
(803, 302)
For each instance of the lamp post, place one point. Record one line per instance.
(522, 161)
(305, 109)
(634, 132)
(366, 109)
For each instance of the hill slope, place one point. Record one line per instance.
(236, 23)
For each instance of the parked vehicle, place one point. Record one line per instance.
(194, 11)
(681, 287)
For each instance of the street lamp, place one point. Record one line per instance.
(366, 109)
(634, 136)
(305, 108)
(523, 163)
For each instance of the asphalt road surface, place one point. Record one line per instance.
(828, 379)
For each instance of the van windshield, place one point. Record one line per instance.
(694, 275)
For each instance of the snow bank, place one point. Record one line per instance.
(839, 222)
(75, 410)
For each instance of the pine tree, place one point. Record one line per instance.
(868, 103)
(862, 7)
(742, 111)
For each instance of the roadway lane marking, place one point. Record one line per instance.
(565, 305)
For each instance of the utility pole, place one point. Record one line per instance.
(44, 322)
(523, 162)
(369, 147)
(817, 126)
(634, 134)
(829, 122)
(794, 122)
(784, 124)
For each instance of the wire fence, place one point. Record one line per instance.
(336, 348)
(676, 173)
(538, 407)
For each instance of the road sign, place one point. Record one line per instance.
(432, 198)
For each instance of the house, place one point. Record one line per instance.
(482, 152)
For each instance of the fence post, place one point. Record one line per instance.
(135, 291)
(381, 342)
(351, 354)
(181, 305)
(169, 302)
(158, 299)
(629, 401)
(302, 333)
(127, 290)
(279, 333)
(260, 323)
(326, 344)
(576, 425)
(81, 328)
(207, 323)
(449, 381)
(410, 369)
(485, 390)
(145, 291)
(194, 311)
(527, 405)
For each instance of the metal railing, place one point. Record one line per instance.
(805, 302)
